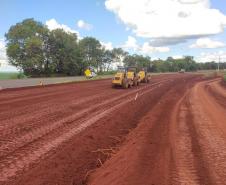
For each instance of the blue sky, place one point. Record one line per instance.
(113, 21)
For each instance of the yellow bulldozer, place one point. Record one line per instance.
(126, 77)
(144, 77)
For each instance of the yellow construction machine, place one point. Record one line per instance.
(89, 73)
(126, 77)
(144, 77)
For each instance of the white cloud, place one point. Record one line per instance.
(52, 24)
(207, 43)
(211, 56)
(166, 42)
(167, 19)
(3, 58)
(84, 25)
(178, 56)
(4, 66)
(2, 44)
(107, 45)
(131, 43)
(147, 49)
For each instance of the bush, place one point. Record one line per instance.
(21, 75)
(107, 73)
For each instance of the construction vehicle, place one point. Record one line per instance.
(144, 77)
(126, 77)
(89, 73)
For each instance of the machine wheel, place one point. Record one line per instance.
(135, 83)
(125, 84)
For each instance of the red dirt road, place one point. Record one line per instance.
(172, 133)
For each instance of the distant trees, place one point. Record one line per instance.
(172, 65)
(137, 60)
(211, 65)
(36, 50)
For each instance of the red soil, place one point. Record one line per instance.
(63, 134)
(181, 140)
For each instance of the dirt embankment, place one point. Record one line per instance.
(223, 83)
(180, 141)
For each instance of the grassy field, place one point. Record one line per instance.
(8, 75)
(11, 75)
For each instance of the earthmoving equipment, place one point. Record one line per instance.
(125, 77)
(89, 72)
(144, 77)
(132, 73)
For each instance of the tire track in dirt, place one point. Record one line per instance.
(20, 139)
(41, 98)
(196, 152)
(21, 161)
(210, 118)
(17, 110)
(145, 157)
(9, 95)
(188, 158)
(23, 117)
(215, 90)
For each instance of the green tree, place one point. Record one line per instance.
(91, 52)
(64, 52)
(27, 46)
(107, 59)
(118, 55)
(137, 60)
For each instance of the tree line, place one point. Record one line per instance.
(38, 51)
(187, 63)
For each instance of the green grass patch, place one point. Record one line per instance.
(107, 73)
(225, 77)
(211, 73)
(11, 75)
(98, 77)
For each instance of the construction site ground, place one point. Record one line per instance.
(170, 131)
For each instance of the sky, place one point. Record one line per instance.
(155, 28)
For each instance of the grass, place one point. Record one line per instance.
(11, 75)
(8, 75)
(211, 73)
(225, 77)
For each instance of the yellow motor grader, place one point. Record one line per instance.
(126, 77)
(144, 77)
